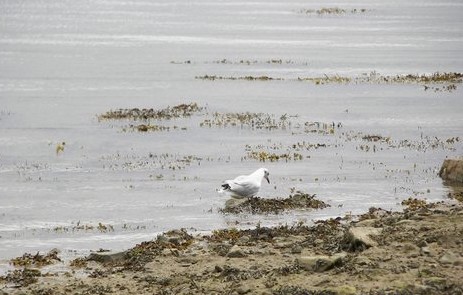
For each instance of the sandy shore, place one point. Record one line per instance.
(418, 251)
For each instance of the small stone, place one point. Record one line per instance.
(320, 263)
(359, 238)
(296, 249)
(425, 251)
(236, 252)
(362, 260)
(243, 240)
(451, 258)
(108, 258)
(318, 242)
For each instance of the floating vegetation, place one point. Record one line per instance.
(296, 201)
(376, 138)
(178, 111)
(247, 78)
(379, 143)
(133, 162)
(250, 120)
(224, 61)
(451, 78)
(331, 10)
(37, 260)
(326, 79)
(103, 228)
(150, 128)
(321, 128)
(293, 152)
(272, 157)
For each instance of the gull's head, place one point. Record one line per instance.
(266, 174)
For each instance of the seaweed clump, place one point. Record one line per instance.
(331, 10)
(141, 254)
(247, 119)
(264, 156)
(414, 204)
(257, 205)
(147, 128)
(37, 260)
(178, 111)
(22, 277)
(246, 78)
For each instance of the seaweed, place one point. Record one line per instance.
(37, 260)
(178, 111)
(257, 205)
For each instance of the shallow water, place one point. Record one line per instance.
(65, 62)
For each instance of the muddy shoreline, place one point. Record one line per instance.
(417, 251)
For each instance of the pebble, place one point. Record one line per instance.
(320, 263)
(451, 258)
(236, 252)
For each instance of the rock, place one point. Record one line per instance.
(107, 257)
(362, 260)
(236, 252)
(296, 249)
(452, 169)
(320, 263)
(451, 258)
(425, 251)
(244, 240)
(358, 238)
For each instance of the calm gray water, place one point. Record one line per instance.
(64, 62)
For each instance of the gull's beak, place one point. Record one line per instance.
(268, 180)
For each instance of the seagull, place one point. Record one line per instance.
(245, 186)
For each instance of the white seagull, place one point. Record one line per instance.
(245, 186)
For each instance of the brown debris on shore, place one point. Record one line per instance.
(418, 251)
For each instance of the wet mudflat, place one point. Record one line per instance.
(417, 251)
(112, 133)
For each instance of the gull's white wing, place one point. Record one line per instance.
(243, 187)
